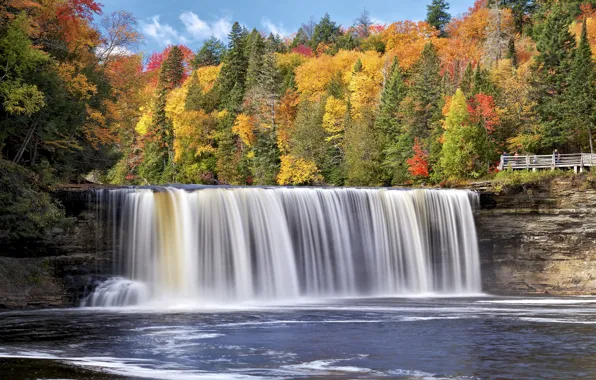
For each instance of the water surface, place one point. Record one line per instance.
(397, 338)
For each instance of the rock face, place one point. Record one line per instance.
(540, 238)
(63, 268)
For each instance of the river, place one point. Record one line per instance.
(347, 338)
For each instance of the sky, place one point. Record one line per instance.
(190, 22)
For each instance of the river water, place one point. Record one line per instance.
(397, 338)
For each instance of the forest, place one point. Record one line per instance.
(406, 103)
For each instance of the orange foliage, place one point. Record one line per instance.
(418, 164)
(286, 114)
(406, 40)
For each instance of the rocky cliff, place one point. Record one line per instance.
(58, 270)
(539, 238)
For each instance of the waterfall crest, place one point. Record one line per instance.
(237, 244)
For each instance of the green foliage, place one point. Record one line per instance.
(210, 54)
(194, 97)
(556, 45)
(459, 141)
(26, 210)
(325, 32)
(581, 95)
(232, 79)
(438, 16)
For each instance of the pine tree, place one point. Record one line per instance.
(194, 97)
(467, 81)
(326, 32)
(437, 15)
(555, 45)
(357, 66)
(232, 79)
(210, 54)
(172, 69)
(393, 93)
(482, 82)
(581, 103)
(511, 53)
(256, 50)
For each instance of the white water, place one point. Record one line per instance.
(239, 244)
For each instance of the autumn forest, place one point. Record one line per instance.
(356, 105)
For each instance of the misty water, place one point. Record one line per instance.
(397, 338)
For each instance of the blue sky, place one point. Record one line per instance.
(191, 21)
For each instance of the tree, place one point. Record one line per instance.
(387, 120)
(363, 24)
(555, 45)
(499, 31)
(418, 164)
(459, 148)
(581, 95)
(232, 78)
(210, 54)
(437, 15)
(194, 97)
(172, 69)
(511, 52)
(325, 32)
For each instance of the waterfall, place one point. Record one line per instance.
(236, 244)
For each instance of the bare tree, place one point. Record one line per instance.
(363, 24)
(499, 31)
(120, 35)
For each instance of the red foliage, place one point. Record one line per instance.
(377, 28)
(482, 110)
(303, 49)
(156, 59)
(74, 10)
(418, 164)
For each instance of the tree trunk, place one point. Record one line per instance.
(23, 147)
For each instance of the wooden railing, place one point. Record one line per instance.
(549, 161)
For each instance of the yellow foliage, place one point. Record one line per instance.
(365, 86)
(193, 130)
(406, 40)
(334, 118)
(313, 76)
(286, 111)
(207, 76)
(244, 126)
(144, 123)
(297, 171)
(289, 60)
(77, 84)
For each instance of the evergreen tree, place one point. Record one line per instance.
(357, 66)
(172, 69)
(482, 82)
(555, 45)
(581, 95)
(194, 97)
(437, 15)
(326, 32)
(387, 123)
(467, 81)
(511, 53)
(256, 51)
(232, 79)
(210, 54)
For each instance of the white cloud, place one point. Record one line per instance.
(200, 29)
(272, 28)
(162, 33)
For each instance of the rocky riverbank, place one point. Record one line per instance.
(539, 238)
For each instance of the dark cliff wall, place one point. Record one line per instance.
(539, 238)
(58, 270)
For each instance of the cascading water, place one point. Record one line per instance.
(238, 244)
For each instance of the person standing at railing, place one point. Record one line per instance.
(556, 157)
